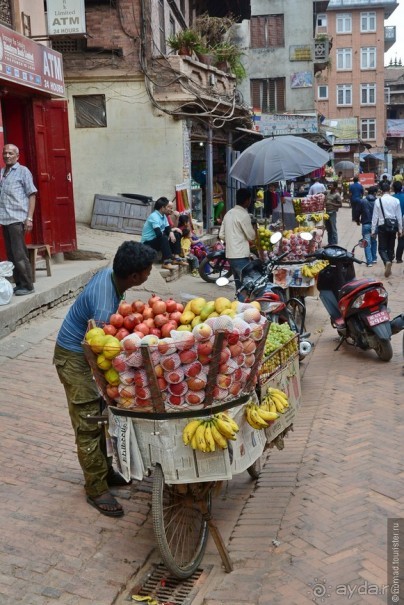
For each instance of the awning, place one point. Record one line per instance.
(372, 156)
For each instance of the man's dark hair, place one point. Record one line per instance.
(397, 186)
(372, 190)
(356, 179)
(385, 186)
(161, 203)
(242, 196)
(132, 257)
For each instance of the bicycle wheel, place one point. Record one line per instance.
(180, 527)
(297, 309)
(211, 269)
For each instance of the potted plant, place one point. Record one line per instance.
(213, 30)
(228, 58)
(185, 42)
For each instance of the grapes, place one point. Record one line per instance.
(280, 346)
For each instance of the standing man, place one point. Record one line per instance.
(364, 216)
(99, 299)
(333, 203)
(237, 231)
(317, 187)
(17, 205)
(356, 193)
(386, 207)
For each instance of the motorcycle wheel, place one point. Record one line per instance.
(384, 350)
(217, 267)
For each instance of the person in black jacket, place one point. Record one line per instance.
(364, 218)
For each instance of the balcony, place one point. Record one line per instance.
(389, 36)
(322, 47)
(186, 80)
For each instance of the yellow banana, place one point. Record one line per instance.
(200, 437)
(218, 437)
(189, 431)
(266, 415)
(210, 442)
(279, 406)
(256, 418)
(229, 420)
(193, 442)
(224, 428)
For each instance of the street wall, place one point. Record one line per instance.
(139, 151)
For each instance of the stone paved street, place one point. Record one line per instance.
(324, 499)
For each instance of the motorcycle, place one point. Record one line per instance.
(215, 264)
(357, 307)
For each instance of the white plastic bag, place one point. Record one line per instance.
(6, 288)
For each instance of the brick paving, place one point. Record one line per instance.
(314, 521)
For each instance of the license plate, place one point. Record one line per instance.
(378, 318)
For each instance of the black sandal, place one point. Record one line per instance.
(106, 499)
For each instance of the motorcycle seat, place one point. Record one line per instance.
(356, 284)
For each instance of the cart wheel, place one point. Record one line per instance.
(297, 309)
(180, 527)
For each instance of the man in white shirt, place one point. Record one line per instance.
(237, 231)
(386, 207)
(317, 187)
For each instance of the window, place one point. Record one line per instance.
(344, 94)
(267, 31)
(368, 129)
(322, 20)
(368, 57)
(344, 58)
(90, 111)
(322, 91)
(162, 29)
(368, 94)
(344, 23)
(368, 22)
(268, 95)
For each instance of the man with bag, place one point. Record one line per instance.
(387, 220)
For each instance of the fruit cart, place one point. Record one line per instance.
(190, 442)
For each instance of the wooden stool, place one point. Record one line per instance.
(33, 250)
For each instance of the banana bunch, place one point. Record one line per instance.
(259, 417)
(275, 401)
(313, 270)
(207, 434)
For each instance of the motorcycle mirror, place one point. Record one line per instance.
(363, 243)
(306, 236)
(275, 237)
(222, 281)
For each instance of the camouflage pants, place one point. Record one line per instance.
(84, 400)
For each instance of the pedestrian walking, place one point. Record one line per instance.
(99, 300)
(237, 231)
(388, 221)
(17, 205)
(158, 234)
(333, 203)
(365, 213)
(399, 194)
(356, 193)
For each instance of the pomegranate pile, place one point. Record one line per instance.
(180, 341)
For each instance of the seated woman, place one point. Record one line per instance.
(218, 202)
(158, 235)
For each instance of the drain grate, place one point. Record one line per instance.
(165, 588)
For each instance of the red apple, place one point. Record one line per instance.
(178, 388)
(109, 329)
(124, 308)
(204, 359)
(195, 397)
(174, 376)
(127, 391)
(236, 349)
(224, 355)
(235, 389)
(249, 346)
(192, 369)
(156, 332)
(175, 400)
(219, 393)
(249, 360)
(140, 379)
(122, 333)
(167, 328)
(223, 381)
(204, 348)
(112, 391)
(188, 356)
(138, 306)
(202, 332)
(116, 320)
(163, 384)
(197, 383)
(159, 371)
(170, 362)
(119, 363)
(166, 346)
(238, 374)
(143, 392)
(143, 403)
(233, 337)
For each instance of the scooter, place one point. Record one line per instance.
(215, 264)
(357, 307)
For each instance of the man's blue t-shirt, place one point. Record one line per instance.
(400, 197)
(357, 192)
(98, 301)
(155, 220)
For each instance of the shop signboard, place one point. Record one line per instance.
(367, 179)
(277, 124)
(24, 62)
(66, 17)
